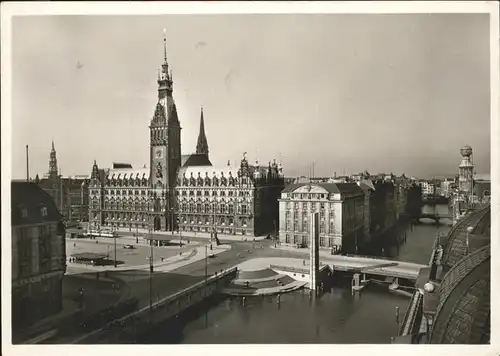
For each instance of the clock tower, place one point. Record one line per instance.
(165, 151)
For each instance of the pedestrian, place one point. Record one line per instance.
(74, 244)
(303, 262)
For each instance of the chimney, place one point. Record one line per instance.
(27, 165)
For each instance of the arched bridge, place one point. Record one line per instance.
(435, 216)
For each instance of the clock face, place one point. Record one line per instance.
(159, 153)
(163, 101)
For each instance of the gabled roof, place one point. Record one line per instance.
(195, 160)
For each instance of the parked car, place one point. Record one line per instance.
(129, 247)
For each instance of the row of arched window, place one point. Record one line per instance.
(125, 181)
(206, 208)
(211, 201)
(304, 227)
(212, 182)
(306, 215)
(214, 193)
(126, 205)
(126, 217)
(219, 221)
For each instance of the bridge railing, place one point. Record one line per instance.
(290, 269)
(370, 257)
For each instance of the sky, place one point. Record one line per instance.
(383, 93)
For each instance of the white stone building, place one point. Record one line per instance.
(341, 209)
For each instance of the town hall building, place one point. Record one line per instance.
(184, 192)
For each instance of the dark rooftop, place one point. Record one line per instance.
(195, 160)
(118, 165)
(27, 203)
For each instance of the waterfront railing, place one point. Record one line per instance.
(411, 314)
(289, 269)
(370, 257)
(160, 303)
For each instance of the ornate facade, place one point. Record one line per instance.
(119, 197)
(183, 191)
(236, 200)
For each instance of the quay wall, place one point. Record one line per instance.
(128, 328)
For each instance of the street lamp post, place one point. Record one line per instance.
(136, 233)
(275, 237)
(172, 219)
(151, 266)
(470, 229)
(206, 268)
(214, 229)
(114, 240)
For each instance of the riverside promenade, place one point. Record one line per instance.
(184, 235)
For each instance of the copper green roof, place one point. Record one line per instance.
(463, 313)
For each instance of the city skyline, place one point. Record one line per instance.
(441, 91)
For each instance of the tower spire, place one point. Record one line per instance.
(165, 45)
(165, 87)
(202, 145)
(53, 172)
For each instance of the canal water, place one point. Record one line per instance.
(337, 317)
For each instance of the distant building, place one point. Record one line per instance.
(466, 171)
(447, 187)
(428, 188)
(368, 189)
(38, 255)
(70, 193)
(482, 190)
(341, 209)
(468, 197)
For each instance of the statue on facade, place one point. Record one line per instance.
(159, 173)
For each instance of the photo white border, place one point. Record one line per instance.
(154, 8)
